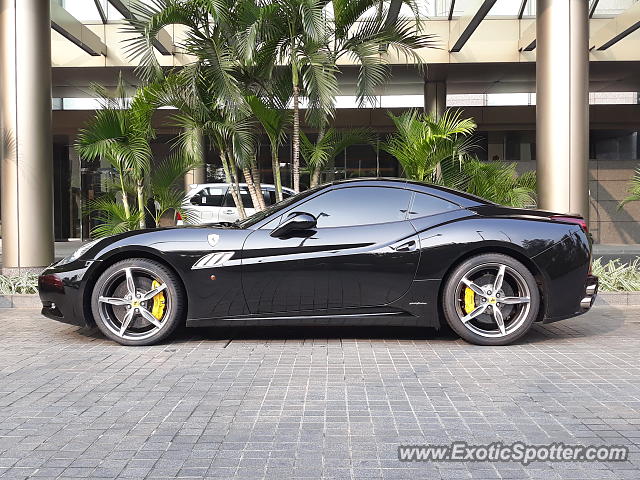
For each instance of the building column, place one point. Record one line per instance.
(435, 97)
(562, 112)
(25, 116)
(198, 174)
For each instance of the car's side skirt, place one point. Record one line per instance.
(394, 317)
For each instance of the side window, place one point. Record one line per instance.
(244, 195)
(269, 197)
(358, 206)
(210, 197)
(424, 205)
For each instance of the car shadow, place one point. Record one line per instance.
(281, 333)
(591, 324)
(600, 321)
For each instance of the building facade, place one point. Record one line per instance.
(552, 85)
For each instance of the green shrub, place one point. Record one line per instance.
(616, 276)
(19, 284)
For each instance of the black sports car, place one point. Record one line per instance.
(379, 251)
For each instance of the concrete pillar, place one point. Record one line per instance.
(25, 116)
(562, 112)
(435, 97)
(198, 174)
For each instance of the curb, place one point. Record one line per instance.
(613, 299)
(618, 299)
(20, 301)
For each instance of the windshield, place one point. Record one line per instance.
(261, 215)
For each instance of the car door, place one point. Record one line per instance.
(204, 205)
(229, 212)
(362, 253)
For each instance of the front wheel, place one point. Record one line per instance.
(138, 302)
(491, 299)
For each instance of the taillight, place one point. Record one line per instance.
(178, 216)
(577, 220)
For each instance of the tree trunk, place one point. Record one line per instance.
(295, 161)
(255, 173)
(231, 179)
(141, 209)
(317, 170)
(252, 188)
(315, 177)
(125, 199)
(275, 166)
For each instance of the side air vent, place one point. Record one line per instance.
(211, 260)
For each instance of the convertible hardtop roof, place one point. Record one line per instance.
(463, 199)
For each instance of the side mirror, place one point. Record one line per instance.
(195, 200)
(295, 222)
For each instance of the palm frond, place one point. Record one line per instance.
(633, 189)
(111, 217)
(423, 142)
(333, 142)
(498, 182)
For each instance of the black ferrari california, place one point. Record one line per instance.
(369, 252)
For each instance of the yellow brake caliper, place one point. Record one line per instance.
(158, 302)
(469, 300)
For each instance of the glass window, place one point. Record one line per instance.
(424, 205)
(269, 197)
(210, 196)
(245, 196)
(614, 145)
(358, 206)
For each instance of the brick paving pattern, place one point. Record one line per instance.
(311, 402)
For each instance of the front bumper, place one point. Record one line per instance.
(61, 290)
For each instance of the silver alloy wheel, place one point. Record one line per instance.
(501, 300)
(123, 305)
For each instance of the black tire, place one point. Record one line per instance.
(112, 284)
(484, 328)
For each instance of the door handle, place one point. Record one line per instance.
(409, 246)
(227, 211)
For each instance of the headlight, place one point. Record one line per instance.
(78, 253)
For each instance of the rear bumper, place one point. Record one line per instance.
(590, 292)
(588, 299)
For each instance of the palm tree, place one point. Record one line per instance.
(296, 33)
(497, 182)
(210, 92)
(310, 36)
(113, 217)
(274, 121)
(440, 150)
(120, 133)
(167, 193)
(242, 45)
(633, 189)
(366, 39)
(328, 146)
(422, 143)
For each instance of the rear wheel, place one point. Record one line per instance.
(491, 299)
(138, 302)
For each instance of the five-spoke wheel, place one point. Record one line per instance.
(137, 302)
(491, 299)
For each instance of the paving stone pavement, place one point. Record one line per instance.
(312, 402)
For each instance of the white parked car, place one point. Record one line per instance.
(213, 202)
